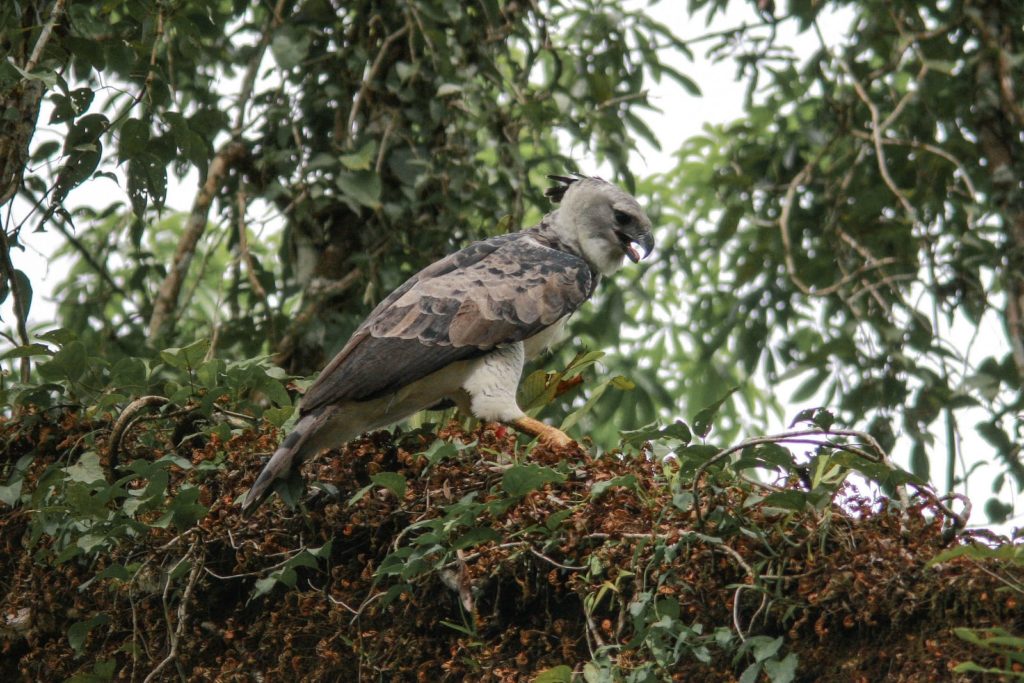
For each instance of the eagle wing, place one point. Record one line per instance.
(499, 291)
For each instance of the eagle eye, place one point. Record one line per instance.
(622, 218)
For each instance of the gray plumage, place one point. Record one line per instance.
(461, 328)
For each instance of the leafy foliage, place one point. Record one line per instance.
(858, 229)
(866, 207)
(360, 142)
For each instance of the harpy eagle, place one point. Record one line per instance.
(461, 329)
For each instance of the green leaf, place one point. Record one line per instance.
(782, 671)
(683, 500)
(79, 631)
(184, 509)
(102, 672)
(187, 356)
(977, 551)
(392, 481)
(362, 187)
(116, 571)
(59, 336)
(476, 536)
(361, 160)
(86, 470)
(303, 558)
(10, 493)
(819, 417)
(323, 552)
(557, 674)
(209, 372)
(677, 431)
(27, 351)
(787, 500)
(439, 450)
(45, 76)
(765, 647)
(263, 586)
(519, 480)
(290, 45)
(133, 139)
(998, 511)
(627, 481)
(129, 373)
(570, 421)
(69, 363)
(703, 421)
(278, 416)
(555, 519)
(768, 455)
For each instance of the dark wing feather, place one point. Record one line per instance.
(499, 291)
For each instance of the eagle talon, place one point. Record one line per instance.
(556, 438)
(546, 434)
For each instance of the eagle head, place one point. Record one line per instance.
(602, 221)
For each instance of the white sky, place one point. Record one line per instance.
(682, 116)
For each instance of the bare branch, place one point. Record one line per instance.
(371, 75)
(44, 36)
(249, 81)
(250, 267)
(316, 297)
(20, 305)
(125, 420)
(175, 635)
(162, 320)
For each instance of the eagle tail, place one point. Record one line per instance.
(287, 458)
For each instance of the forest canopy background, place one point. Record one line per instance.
(840, 260)
(849, 232)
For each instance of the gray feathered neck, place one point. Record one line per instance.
(545, 231)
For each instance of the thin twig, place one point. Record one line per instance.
(20, 305)
(557, 564)
(592, 627)
(161, 320)
(371, 75)
(158, 35)
(252, 70)
(933, 149)
(739, 559)
(44, 36)
(877, 128)
(125, 420)
(250, 267)
(90, 259)
(259, 572)
(784, 213)
(175, 635)
(736, 613)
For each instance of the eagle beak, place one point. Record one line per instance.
(630, 243)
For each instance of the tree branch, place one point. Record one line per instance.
(20, 305)
(250, 267)
(371, 75)
(174, 636)
(44, 36)
(161, 321)
(249, 81)
(316, 296)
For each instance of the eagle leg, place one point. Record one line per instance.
(551, 436)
